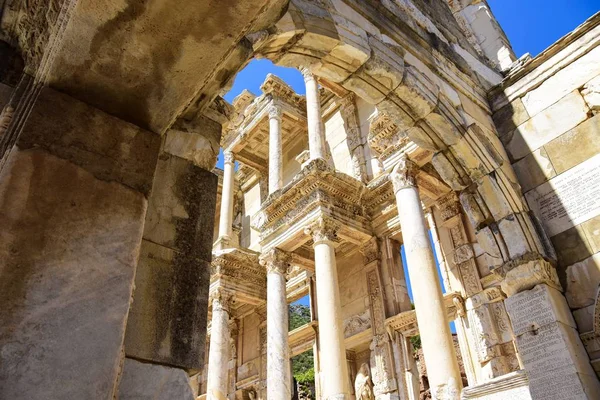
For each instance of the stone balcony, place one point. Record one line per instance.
(317, 191)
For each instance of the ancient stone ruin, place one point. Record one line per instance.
(131, 268)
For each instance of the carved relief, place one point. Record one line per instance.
(5, 119)
(357, 323)
(370, 251)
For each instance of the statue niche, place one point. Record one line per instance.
(363, 386)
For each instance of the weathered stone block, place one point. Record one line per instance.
(536, 308)
(549, 345)
(584, 318)
(108, 147)
(591, 228)
(493, 196)
(583, 278)
(476, 112)
(167, 322)
(508, 118)
(158, 382)
(591, 93)
(534, 169)
(69, 244)
(547, 125)
(561, 83)
(575, 146)
(571, 246)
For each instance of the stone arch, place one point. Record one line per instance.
(340, 45)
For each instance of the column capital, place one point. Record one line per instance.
(307, 74)
(228, 157)
(222, 299)
(275, 111)
(275, 261)
(404, 174)
(322, 230)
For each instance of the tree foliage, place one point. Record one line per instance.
(298, 315)
(302, 364)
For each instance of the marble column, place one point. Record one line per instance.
(332, 357)
(226, 216)
(275, 149)
(316, 140)
(278, 354)
(436, 338)
(218, 356)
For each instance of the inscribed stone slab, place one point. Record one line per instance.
(569, 199)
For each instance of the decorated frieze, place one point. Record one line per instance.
(385, 136)
(315, 186)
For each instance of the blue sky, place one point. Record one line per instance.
(533, 25)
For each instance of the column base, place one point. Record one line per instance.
(222, 243)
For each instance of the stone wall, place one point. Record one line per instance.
(547, 117)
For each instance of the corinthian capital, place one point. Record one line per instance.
(404, 174)
(307, 74)
(323, 229)
(275, 261)
(228, 157)
(275, 112)
(222, 299)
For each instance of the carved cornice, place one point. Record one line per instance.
(385, 136)
(449, 206)
(323, 230)
(404, 174)
(238, 266)
(274, 87)
(316, 185)
(275, 261)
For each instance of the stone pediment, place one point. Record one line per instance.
(240, 271)
(317, 190)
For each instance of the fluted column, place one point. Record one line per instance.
(436, 338)
(218, 356)
(316, 140)
(226, 216)
(275, 149)
(278, 354)
(332, 357)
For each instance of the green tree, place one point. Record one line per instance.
(302, 364)
(298, 315)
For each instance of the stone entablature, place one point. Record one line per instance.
(317, 190)
(239, 270)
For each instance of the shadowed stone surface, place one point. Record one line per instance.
(68, 249)
(141, 381)
(145, 61)
(167, 322)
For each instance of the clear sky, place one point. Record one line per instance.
(533, 25)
